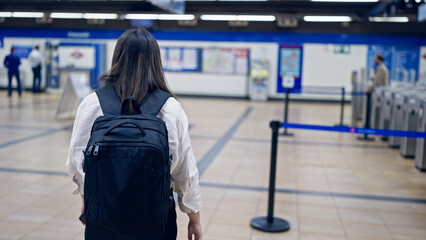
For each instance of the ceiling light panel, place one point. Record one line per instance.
(141, 16)
(388, 19)
(100, 16)
(261, 18)
(5, 14)
(347, 1)
(187, 17)
(65, 15)
(327, 18)
(27, 14)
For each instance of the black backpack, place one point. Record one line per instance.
(127, 166)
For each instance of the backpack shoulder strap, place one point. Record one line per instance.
(108, 98)
(155, 101)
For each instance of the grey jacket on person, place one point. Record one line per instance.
(381, 77)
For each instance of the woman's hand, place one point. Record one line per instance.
(194, 226)
(82, 207)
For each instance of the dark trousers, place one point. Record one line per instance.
(9, 87)
(95, 233)
(368, 111)
(36, 79)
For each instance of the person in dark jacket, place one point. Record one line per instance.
(12, 62)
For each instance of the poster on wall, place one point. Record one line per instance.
(22, 51)
(225, 60)
(179, 59)
(80, 57)
(406, 64)
(190, 58)
(174, 59)
(163, 53)
(422, 65)
(290, 66)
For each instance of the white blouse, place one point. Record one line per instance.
(183, 171)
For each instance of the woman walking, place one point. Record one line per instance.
(136, 75)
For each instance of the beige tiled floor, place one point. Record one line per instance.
(38, 205)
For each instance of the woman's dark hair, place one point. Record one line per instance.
(136, 67)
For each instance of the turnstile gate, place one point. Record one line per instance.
(377, 98)
(420, 142)
(408, 145)
(386, 109)
(396, 119)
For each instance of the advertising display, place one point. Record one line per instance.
(290, 67)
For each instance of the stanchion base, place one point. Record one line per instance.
(365, 138)
(286, 134)
(277, 225)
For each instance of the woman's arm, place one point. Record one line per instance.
(194, 226)
(184, 171)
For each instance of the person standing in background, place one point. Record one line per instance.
(35, 61)
(12, 62)
(381, 78)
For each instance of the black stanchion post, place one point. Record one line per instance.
(286, 102)
(367, 119)
(271, 223)
(342, 108)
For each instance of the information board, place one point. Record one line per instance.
(180, 59)
(225, 60)
(406, 65)
(373, 50)
(290, 66)
(402, 62)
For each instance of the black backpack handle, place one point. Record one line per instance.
(125, 107)
(121, 123)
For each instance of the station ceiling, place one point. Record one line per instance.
(289, 15)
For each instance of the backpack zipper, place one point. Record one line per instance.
(89, 150)
(96, 151)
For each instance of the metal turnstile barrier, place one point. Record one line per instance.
(420, 142)
(396, 119)
(410, 117)
(377, 99)
(359, 100)
(386, 111)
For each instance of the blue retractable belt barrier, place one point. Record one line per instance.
(370, 131)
